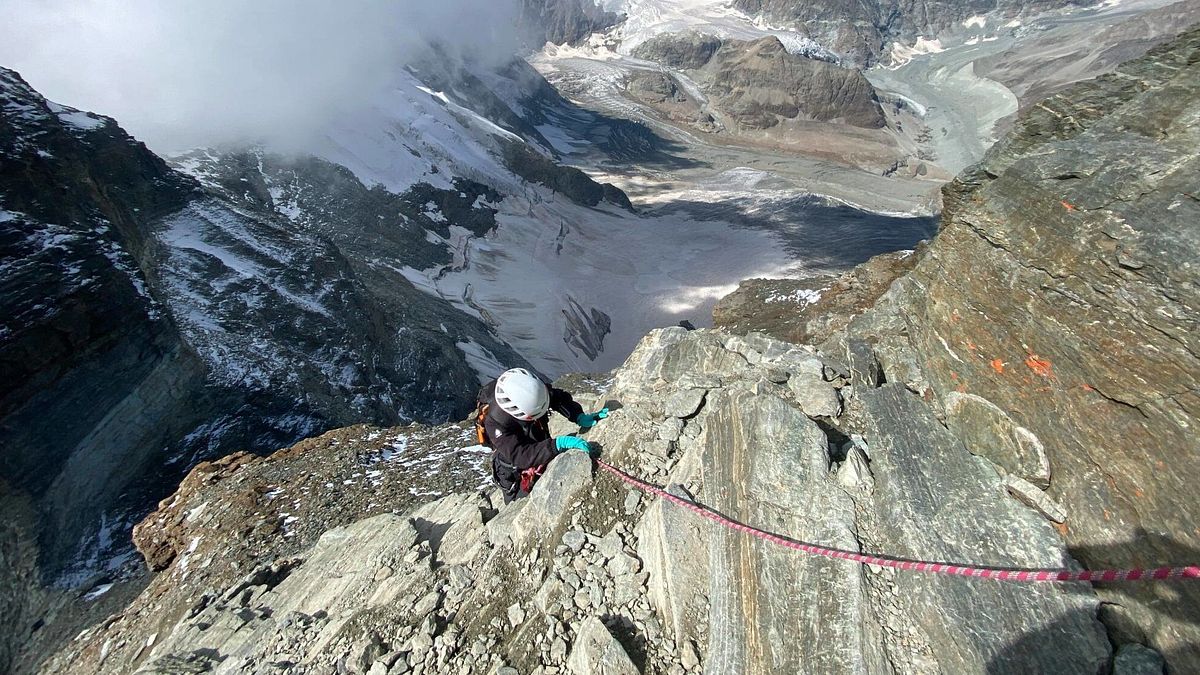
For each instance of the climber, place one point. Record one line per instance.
(513, 418)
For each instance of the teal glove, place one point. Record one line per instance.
(588, 420)
(562, 443)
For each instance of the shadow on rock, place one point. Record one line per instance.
(1027, 656)
(1165, 615)
(1161, 615)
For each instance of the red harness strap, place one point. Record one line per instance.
(529, 477)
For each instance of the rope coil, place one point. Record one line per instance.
(978, 572)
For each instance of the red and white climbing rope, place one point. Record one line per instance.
(980, 572)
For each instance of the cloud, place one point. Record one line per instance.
(180, 74)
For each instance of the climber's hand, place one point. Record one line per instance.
(588, 420)
(562, 443)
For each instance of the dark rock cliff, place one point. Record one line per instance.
(94, 376)
(82, 337)
(563, 21)
(148, 322)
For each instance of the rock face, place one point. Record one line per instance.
(581, 578)
(1051, 327)
(860, 30)
(563, 21)
(756, 85)
(809, 311)
(683, 51)
(1061, 295)
(96, 377)
(759, 82)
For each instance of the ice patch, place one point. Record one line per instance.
(97, 591)
(559, 140)
(485, 365)
(917, 107)
(644, 272)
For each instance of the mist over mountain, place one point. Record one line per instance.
(180, 75)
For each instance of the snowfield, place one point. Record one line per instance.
(643, 272)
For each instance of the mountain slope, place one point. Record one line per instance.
(1052, 323)
(152, 321)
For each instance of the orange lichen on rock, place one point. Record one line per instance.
(1039, 365)
(998, 366)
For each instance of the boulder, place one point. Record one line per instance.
(1135, 659)
(990, 432)
(1035, 498)
(685, 403)
(597, 652)
(816, 397)
(564, 480)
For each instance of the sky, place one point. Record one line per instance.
(184, 74)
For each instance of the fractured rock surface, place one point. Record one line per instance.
(579, 578)
(1053, 322)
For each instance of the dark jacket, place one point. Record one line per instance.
(518, 445)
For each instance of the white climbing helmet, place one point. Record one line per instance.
(522, 395)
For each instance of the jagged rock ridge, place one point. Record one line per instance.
(586, 572)
(564, 21)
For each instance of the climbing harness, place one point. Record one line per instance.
(980, 572)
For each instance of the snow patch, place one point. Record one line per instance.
(802, 297)
(432, 212)
(976, 21)
(185, 233)
(78, 119)
(902, 54)
(98, 591)
(486, 366)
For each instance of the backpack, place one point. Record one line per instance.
(483, 405)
